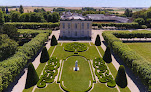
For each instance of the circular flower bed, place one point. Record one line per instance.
(75, 47)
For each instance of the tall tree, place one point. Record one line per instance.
(107, 55)
(15, 16)
(21, 10)
(7, 10)
(53, 41)
(32, 76)
(2, 20)
(97, 41)
(55, 17)
(121, 79)
(44, 55)
(128, 13)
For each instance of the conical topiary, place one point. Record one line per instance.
(32, 76)
(107, 56)
(121, 79)
(97, 41)
(53, 41)
(44, 55)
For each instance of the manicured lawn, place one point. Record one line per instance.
(76, 80)
(142, 49)
(91, 53)
(99, 87)
(101, 50)
(50, 50)
(50, 88)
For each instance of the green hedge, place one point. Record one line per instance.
(11, 67)
(75, 47)
(139, 65)
(49, 73)
(118, 25)
(7, 47)
(30, 25)
(102, 72)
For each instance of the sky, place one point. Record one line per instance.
(78, 3)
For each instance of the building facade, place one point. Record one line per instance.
(75, 26)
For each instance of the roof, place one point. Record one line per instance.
(107, 18)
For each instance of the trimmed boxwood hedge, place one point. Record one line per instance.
(49, 73)
(139, 65)
(102, 72)
(31, 25)
(11, 67)
(75, 47)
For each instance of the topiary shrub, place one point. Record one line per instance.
(53, 41)
(121, 79)
(32, 76)
(107, 56)
(98, 41)
(44, 55)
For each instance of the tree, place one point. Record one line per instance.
(21, 10)
(25, 17)
(55, 17)
(121, 79)
(128, 13)
(140, 21)
(15, 16)
(53, 41)
(98, 41)
(44, 55)
(107, 55)
(49, 18)
(3, 9)
(7, 10)
(2, 20)
(10, 30)
(7, 17)
(32, 77)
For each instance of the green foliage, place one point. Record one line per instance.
(44, 55)
(32, 77)
(33, 25)
(10, 30)
(75, 47)
(121, 79)
(140, 21)
(21, 10)
(98, 41)
(7, 47)
(137, 63)
(53, 41)
(7, 18)
(107, 55)
(11, 67)
(49, 72)
(128, 13)
(102, 72)
(55, 17)
(25, 17)
(2, 20)
(118, 25)
(15, 16)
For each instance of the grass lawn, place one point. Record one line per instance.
(91, 53)
(32, 31)
(76, 80)
(142, 49)
(50, 88)
(99, 87)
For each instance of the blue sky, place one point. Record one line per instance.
(79, 3)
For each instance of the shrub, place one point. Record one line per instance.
(44, 55)
(121, 79)
(111, 83)
(41, 84)
(144, 27)
(107, 56)
(53, 41)
(32, 77)
(98, 41)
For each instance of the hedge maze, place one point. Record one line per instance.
(49, 73)
(102, 72)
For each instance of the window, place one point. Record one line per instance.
(76, 33)
(82, 25)
(82, 33)
(76, 25)
(87, 25)
(63, 24)
(68, 32)
(68, 25)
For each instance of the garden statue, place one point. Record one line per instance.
(76, 68)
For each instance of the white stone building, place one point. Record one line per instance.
(75, 26)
